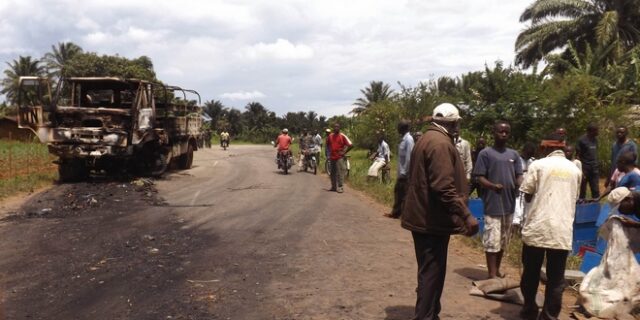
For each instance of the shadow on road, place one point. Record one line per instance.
(472, 274)
(399, 312)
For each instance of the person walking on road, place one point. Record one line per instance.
(436, 206)
(551, 187)
(404, 158)
(587, 152)
(499, 172)
(339, 145)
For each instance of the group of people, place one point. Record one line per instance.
(337, 146)
(438, 174)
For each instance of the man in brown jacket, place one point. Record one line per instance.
(435, 206)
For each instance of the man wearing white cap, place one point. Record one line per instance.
(436, 206)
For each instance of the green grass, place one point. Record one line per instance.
(25, 167)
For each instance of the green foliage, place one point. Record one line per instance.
(554, 23)
(377, 91)
(381, 119)
(59, 57)
(23, 66)
(92, 65)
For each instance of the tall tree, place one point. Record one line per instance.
(23, 66)
(59, 57)
(377, 91)
(596, 22)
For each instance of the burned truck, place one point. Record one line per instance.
(109, 125)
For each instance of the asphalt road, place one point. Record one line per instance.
(231, 238)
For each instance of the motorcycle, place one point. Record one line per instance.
(225, 144)
(309, 161)
(285, 160)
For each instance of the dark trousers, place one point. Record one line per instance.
(399, 192)
(532, 258)
(431, 254)
(591, 176)
(337, 168)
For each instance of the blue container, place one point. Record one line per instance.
(588, 212)
(476, 207)
(590, 261)
(585, 231)
(603, 215)
(601, 245)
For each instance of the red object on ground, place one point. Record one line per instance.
(584, 249)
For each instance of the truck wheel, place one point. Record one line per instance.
(72, 171)
(186, 160)
(159, 165)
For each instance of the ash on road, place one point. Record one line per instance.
(232, 238)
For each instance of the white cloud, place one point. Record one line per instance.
(309, 55)
(243, 95)
(282, 49)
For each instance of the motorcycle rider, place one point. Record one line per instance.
(282, 143)
(305, 143)
(224, 136)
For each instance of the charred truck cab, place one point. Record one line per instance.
(111, 124)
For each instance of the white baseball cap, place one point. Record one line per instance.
(285, 130)
(446, 111)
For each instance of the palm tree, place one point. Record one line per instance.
(60, 55)
(376, 92)
(596, 22)
(311, 119)
(23, 66)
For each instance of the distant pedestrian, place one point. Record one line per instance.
(587, 153)
(317, 142)
(569, 152)
(499, 172)
(551, 188)
(435, 206)
(561, 133)
(464, 149)
(404, 159)
(622, 145)
(339, 145)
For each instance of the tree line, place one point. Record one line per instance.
(590, 73)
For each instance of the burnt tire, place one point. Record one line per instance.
(72, 171)
(185, 161)
(159, 165)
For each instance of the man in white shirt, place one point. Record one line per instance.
(551, 186)
(464, 149)
(404, 158)
(380, 158)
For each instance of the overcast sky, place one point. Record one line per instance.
(290, 55)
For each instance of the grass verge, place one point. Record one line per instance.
(26, 167)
